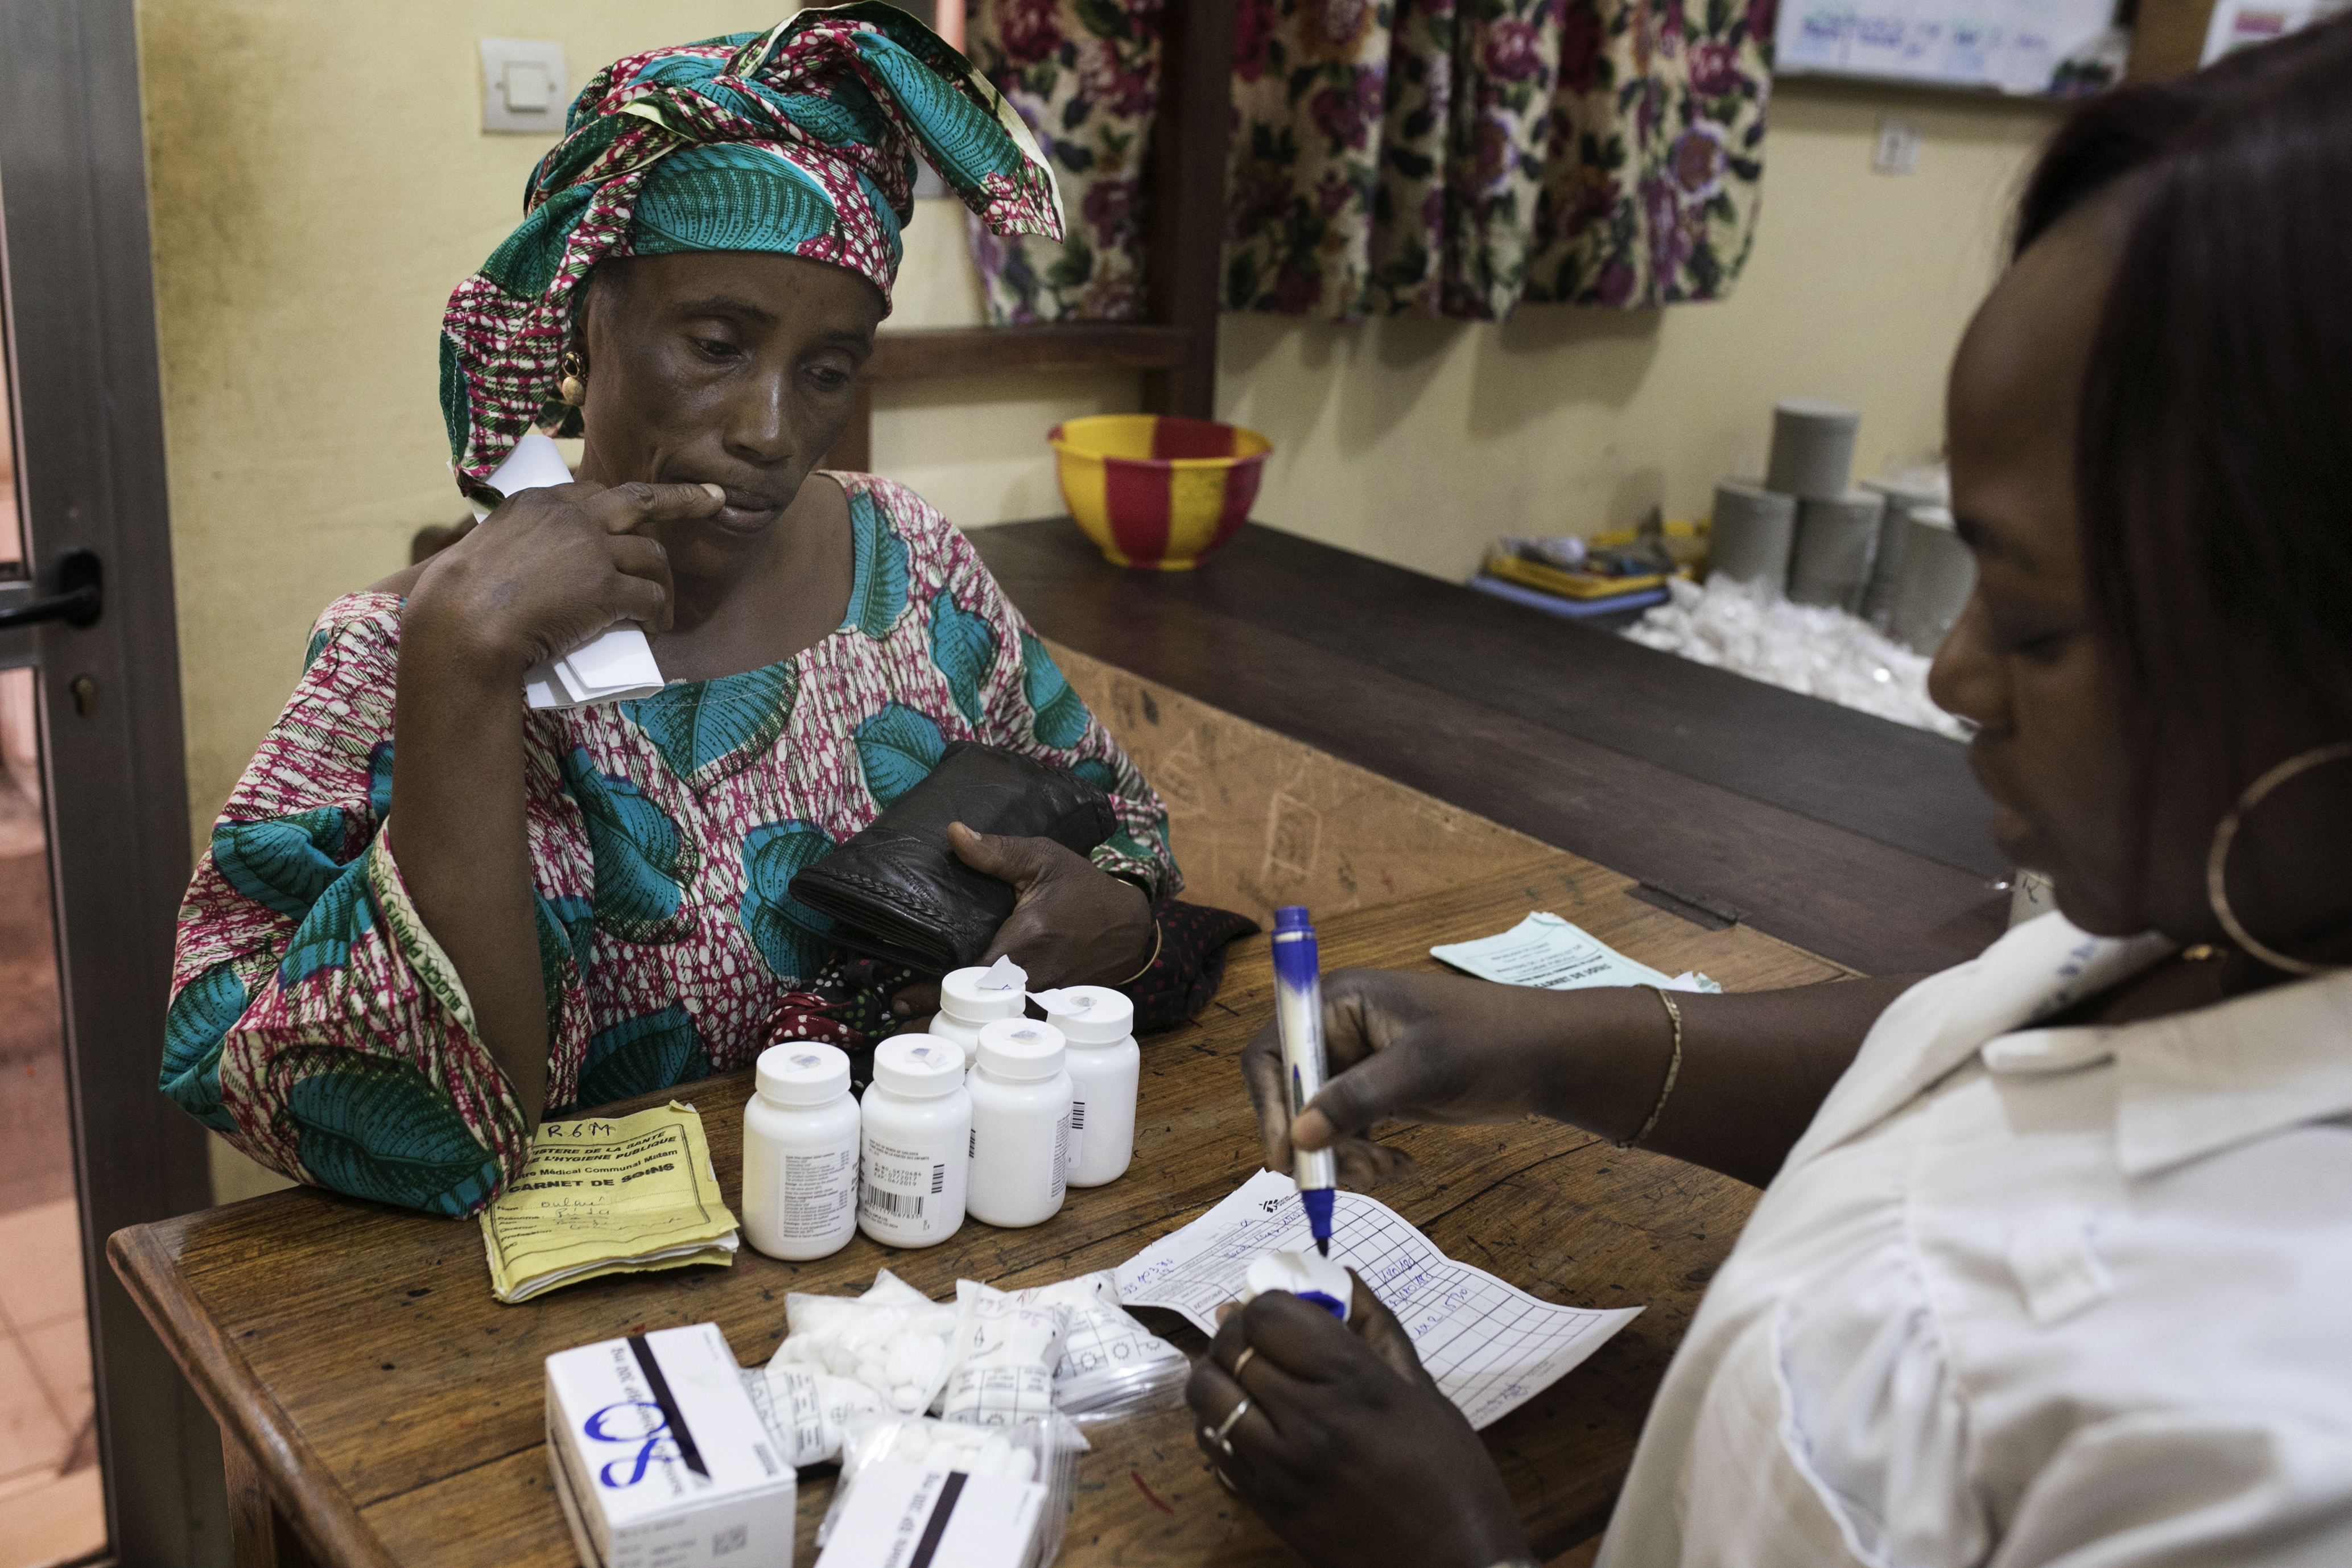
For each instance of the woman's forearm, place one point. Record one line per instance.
(1755, 1067)
(457, 792)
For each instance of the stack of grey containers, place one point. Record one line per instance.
(1886, 551)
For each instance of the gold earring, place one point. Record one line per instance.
(574, 387)
(2217, 858)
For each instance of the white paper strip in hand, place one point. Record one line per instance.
(616, 664)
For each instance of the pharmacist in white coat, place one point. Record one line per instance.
(2054, 1266)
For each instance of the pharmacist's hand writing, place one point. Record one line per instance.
(1432, 1049)
(548, 570)
(1074, 924)
(1348, 1449)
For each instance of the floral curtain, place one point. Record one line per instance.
(1407, 157)
(1085, 74)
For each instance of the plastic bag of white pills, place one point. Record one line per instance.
(1044, 1452)
(892, 1339)
(1112, 1366)
(1003, 1355)
(806, 1411)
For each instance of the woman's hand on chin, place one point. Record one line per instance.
(547, 571)
(1348, 1449)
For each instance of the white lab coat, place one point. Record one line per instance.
(2031, 1296)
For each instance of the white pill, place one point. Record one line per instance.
(906, 1398)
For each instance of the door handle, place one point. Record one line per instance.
(80, 599)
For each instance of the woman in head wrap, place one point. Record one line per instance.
(579, 905)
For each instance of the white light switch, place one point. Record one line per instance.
(1897, 149)
(527, 85)
(522, 86)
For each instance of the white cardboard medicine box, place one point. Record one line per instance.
(660, 1460)
(926, 1515)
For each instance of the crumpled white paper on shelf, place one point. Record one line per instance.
(1751, 629)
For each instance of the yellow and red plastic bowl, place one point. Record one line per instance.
(1157, 490)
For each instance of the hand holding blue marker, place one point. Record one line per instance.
(1299, 1015)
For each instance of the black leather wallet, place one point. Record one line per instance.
(897, 891)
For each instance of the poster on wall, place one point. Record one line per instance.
(2037, 48)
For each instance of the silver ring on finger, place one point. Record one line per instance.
(1224, 1480)
(1222, 1436)
(1241, 1360)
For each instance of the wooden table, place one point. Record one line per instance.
(1850, 835)
(377, 1406)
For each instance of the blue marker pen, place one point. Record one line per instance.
(1298, 1014)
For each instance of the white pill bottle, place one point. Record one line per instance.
(1105, 1066)
(918, 1132)
(799, 1152)
(1020, 1123)
(966, 1007)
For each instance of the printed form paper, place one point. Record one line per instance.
(1491, 1346)
(1546, 951)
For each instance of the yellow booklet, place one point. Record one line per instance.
(1568, 585)
(608, 1196)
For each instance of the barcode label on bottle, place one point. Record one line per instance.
(939, 1180)
(909, 1205)
(1077, 1116)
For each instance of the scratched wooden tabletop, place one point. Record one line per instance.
(385, 1409)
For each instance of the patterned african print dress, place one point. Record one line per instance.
(317, 1024)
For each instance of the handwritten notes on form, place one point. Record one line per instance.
(1491, 1346)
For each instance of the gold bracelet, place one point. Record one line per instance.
(1673, 1071)
(1157, 936)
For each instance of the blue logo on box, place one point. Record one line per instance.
(644, 1424)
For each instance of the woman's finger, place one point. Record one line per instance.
(918, 1000)
(1020, 861)
(1300, 1340)
(1382, 1087)
(638, 556)
(1373, 1323)
(1021, 938)
(1262, 1071)
(1366, 1163)
(1214, 1394)
(635, 599)
(622, 508)
(635, 555)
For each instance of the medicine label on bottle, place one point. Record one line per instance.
(814, 1190)
(898, 1182)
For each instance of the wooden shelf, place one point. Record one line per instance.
(923, 354)
(1175, 350)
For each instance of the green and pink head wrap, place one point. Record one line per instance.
(800, 140)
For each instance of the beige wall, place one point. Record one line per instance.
(319, 183)
(1418, 441)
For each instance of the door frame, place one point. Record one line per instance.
(76, 270)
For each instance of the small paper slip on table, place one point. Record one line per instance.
(1546, 951)
(1491, 1346)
